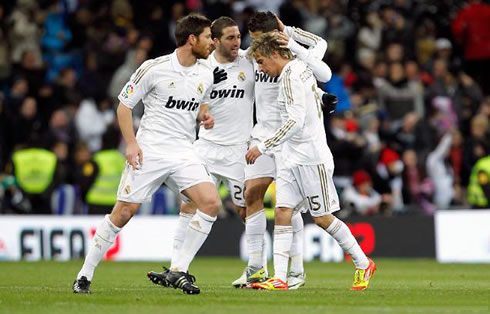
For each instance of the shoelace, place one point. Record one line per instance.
(357, 277)
(82, 283)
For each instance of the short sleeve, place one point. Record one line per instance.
(138, 86)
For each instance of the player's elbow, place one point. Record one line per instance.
(325, 75)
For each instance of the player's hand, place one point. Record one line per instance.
(219, 75)
(282, 39)
(281, 24)
(134, 155)
(252, 155)
(208, 121)
(329, 102)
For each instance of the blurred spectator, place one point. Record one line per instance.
(440, 173)
(92, 119)
(36, 176)
(24, 34)
(388, 180)
(398, 96)
(361, 198)
(100, 176)
(479, 187)
(476, 146)
(369, 36)
(417, 188)
(471, 28)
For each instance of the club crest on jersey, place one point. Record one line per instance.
(171, 85)
(241, 76)
(200, 88)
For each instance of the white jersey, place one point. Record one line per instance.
(267, 89)
(231, 103)
(302, 130)
(172, 95)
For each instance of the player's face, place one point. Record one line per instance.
(229, 43)
(267, 65)
(202, 47)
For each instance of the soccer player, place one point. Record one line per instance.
(172, 87)
(260, 175)
(223, 147)
(306, 166)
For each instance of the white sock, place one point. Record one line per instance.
(104, 237)
(197, 232)
(340, 232)
(180, 233)
(283, 238)
(297, 245)
(255, 226)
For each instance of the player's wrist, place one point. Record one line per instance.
(261, 147)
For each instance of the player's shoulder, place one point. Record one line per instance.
(149, 67)
(298, 70)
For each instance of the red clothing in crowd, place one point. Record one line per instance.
(471, 28)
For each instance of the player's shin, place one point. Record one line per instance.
(180, 233)
(197, 232)
(255, 226)
(341, 233)
(297, 245)
(104, 237)
(283, 238)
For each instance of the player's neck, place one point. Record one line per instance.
(185, 56)
(222, 59)
(282, 63)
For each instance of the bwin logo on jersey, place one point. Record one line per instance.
(181, 104)
(263, 77)
(231, 93)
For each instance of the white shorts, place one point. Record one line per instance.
(178, 173)
(314, 183)
(226, 164)
(264, 166)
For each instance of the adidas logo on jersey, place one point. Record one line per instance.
(225, 93)
(181, 104)
(262, 77)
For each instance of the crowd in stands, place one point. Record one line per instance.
(412, 77)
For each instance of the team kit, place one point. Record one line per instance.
(209, 79)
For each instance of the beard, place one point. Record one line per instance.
(200, 52)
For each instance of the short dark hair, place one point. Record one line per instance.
(263, 22)
(219, 24)
(192, 24)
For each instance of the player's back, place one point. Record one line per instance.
(308, 146)
(231, 103)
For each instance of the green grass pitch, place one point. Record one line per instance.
(398, 286)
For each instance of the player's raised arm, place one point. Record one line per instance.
(312, 56)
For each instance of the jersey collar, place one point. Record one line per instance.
(287, 66)
(192, 70)
(228, 65)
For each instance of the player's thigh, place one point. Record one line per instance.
(236, 189)
(317, 186)
(255, 190)
(139, 185)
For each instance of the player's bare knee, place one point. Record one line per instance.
(254, 196)
(283, 216)
(210, 206)
(324, 221)
(188, 208)
(123, 212)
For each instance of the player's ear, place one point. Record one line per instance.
(215, 42)
(192, 39)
